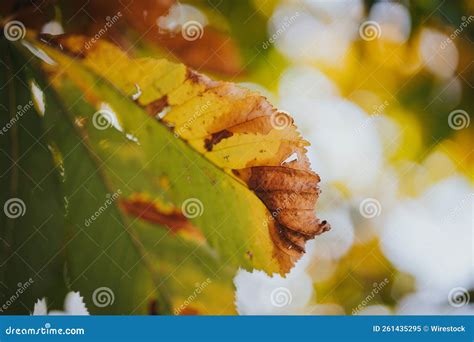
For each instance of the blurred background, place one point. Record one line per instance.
(384, 93)
(383, 90)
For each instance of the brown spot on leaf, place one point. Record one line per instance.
(195, 77)
(188, 311)
(216, 138)
(157, 106)
(153, 307)
(151, 212)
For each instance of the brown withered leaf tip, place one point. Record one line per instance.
(289, 190)
(290, 195)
